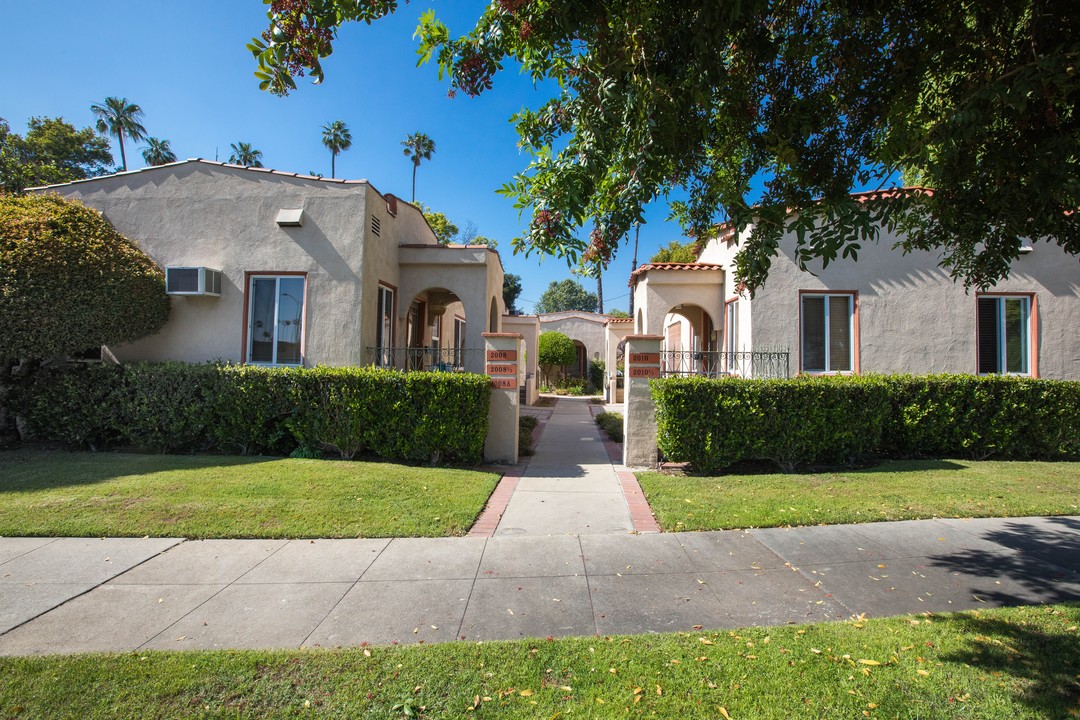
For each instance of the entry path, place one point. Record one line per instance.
(570, 485)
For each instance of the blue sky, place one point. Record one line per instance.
(185, 63)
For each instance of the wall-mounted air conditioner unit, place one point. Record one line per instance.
(192, 281)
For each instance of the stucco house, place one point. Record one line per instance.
(274, 268)
(887, 312)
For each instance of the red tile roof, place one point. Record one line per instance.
(671, 266)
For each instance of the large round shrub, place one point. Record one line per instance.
(69, 281)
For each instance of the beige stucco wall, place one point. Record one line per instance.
(912, 316)
(587, 328)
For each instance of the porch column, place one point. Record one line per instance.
(505, 365)
(642, 360)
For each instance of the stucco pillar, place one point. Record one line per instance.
(505, 365)
(639, 412)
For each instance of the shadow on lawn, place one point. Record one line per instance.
(30, 470)
(1047, 662)
(1047, 561)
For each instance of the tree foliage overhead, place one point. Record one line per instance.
(52, 151)
(565, 295)
(69, 281)
(980, 101)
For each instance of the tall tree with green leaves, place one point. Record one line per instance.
(244, 154)
(52, 151)
(445, 230)
(511, 291)
(564, 295)
(158, 152)
(118, 117)
(418, 146)
(676, 252)
(337, 139)
(979, 101)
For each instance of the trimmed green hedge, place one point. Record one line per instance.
(713, 424)
(178, 407)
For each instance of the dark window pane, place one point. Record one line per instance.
(290, 323)
(1016, 335)
(840, 333)
(813, 334)
(988, 334)
(262, 320)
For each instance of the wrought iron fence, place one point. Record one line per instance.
(756, 364)
(432, 359)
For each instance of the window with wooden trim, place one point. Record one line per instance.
(384, 330)
(827, 335)
(1004, 329)
(276, 319)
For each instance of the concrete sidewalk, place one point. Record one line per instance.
(76, 595)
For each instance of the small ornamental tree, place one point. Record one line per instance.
(555, 350)
(69, 281)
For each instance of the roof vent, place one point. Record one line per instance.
(290, 217)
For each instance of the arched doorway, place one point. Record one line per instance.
(493, 316)
(580, 368)
(435, 331)
(690, 343)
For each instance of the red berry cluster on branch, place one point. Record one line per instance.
(601, 247)
(547, 222)
(473, 74)
(294, 25)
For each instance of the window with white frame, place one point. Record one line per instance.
(1004, 328)
(384, 330)
(827, 333)
(276, 319)
(731, 334)
(459, 342)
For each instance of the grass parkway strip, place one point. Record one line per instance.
(1010, 662)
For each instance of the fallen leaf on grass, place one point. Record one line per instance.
(869, 662)
(526, 693)
(724, 712)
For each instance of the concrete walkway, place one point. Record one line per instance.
(562, 560)
(570, 486)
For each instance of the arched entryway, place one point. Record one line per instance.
(435, 325)
(690, 342)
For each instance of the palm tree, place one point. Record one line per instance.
(116, 116)
(244, 154)
(337, 138)
(418, 146)
(158, 152)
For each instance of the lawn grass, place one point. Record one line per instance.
(896, 490)
(45, 493)
(998, 663)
